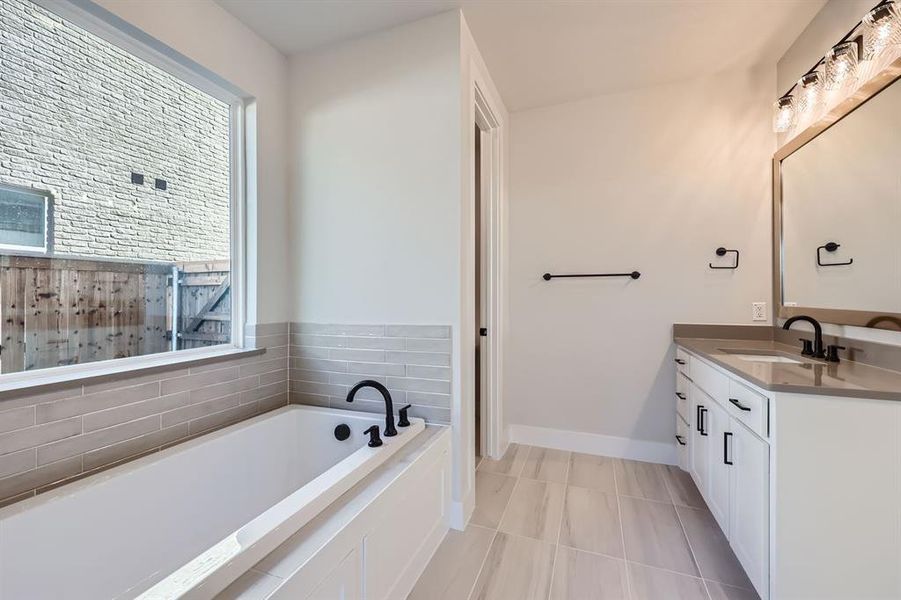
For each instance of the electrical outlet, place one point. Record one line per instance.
(758, 311)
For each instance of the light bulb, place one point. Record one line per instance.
(783, 114)
(811, 86)
(841, 65)
(882, 28)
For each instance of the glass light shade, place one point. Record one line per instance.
(811, 92)
(841, 65)
(784, 114)
(881, 29)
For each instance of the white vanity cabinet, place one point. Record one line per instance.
(730, 465)
(806, 487)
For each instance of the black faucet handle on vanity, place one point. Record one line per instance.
(817, 351)
(806, 347)
(832, 353)
(402, 420)
(374, 440)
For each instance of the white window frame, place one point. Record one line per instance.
(117, 31)
(48, 222)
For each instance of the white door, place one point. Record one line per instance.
(720, 445)
(749, 526)
(698, 446)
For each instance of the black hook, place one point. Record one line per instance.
(722, 252)
(830, 247)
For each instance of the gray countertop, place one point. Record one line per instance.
(847, 378)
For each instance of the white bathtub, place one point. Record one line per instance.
(186, 522)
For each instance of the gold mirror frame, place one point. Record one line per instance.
(861, 318)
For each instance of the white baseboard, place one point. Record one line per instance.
(594, 443)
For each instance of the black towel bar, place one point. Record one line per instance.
(633, 275)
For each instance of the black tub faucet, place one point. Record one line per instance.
(817, 351)
(390, 431)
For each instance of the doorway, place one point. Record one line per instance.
(480, 289)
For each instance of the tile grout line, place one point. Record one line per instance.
(550, 588)
(688, 540)
(497, 531)
(622, 534)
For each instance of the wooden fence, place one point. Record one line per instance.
(65, 311)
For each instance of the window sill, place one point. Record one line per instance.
(66, 376)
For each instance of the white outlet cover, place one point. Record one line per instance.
(758, 311)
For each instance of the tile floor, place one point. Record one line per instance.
(558, 525)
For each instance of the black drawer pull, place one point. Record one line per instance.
(702, 426)
(726, 436)
(679, 361)
(680, 440)
(680, 395)
(740, 405)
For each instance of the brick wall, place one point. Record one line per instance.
(78, 115)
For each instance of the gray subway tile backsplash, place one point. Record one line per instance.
(66, 431)
(413, 361)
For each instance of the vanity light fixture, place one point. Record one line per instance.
(784, 114)
(882, 28)
(841, 64)
(811, 95)
(869, 39)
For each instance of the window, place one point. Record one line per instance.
(136, 250)
(24, 220)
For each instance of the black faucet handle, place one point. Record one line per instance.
(402, 420)
(807, 348)
(832, 353)
(374, 440)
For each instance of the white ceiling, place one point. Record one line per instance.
(544, 52)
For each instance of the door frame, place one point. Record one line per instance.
(492, 209)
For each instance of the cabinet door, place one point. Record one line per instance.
(750, 508)
(698, 446)
(718, 426)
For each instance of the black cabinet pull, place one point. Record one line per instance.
(680, 395)
(680, 440)
(726, 436)
(702, 424)
(740, 405)
(698, 410)
(679, 361)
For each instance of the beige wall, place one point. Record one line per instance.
(654, 180)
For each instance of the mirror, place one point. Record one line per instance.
(838, 214)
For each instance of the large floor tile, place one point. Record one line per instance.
(653, 536)
(492, 494)
(546, 464)
(534, 510)
(649, 583)
(711, 548)
(453, 570)
(584, 576)
(596, 472)
(510, 464)
(591, 522)
(718, 591)
(682, 488)
(641, 480)
(516, 568)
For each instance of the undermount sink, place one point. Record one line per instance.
(761, 356)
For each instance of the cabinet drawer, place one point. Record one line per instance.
(683, 438)
(682, 361)
(710, 381)
(749, 407)
(682, 384)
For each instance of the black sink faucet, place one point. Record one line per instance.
(817, 351)
(390, 431)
